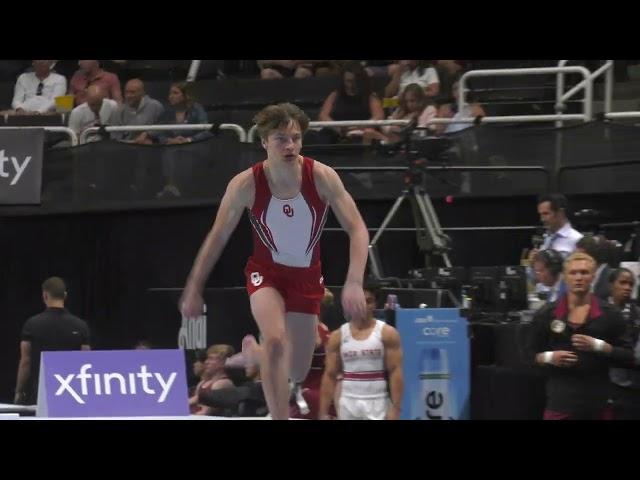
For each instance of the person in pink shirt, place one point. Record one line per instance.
(89, 74)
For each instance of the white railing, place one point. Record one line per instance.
(343, 123)
(144, 128)
(71, 134)
(587, 84)
(562, 97)
(193, 70)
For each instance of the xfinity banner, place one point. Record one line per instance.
(112, 383)
(436, 364)
(21, 166)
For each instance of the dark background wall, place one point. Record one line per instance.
(110, 260)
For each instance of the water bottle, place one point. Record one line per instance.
(436, 398)
(465, 298)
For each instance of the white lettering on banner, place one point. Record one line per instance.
(426, 319)
(18, 167)
(104, 379)
(436, 331)
(193, 333)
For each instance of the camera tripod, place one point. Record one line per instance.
(431, 239)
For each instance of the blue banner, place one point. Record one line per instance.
(436, 364)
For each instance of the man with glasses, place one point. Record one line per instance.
(35, 92)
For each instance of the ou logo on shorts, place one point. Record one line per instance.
(256, 279)
(287, 210)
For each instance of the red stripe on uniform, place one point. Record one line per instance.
(376, 375)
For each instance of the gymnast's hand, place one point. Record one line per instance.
(354, 304)
(191, 303)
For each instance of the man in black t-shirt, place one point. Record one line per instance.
(54, 329)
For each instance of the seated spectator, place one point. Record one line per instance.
(277, 69)
(246, 397)
(449, 71)
(352, 100)
(414, 105)
(381, 68)
(316, 68)
(414, 71)
(138, 109)
(216, 377)
(35, 92)
(95, 112)
(449, 109)
(89, 74)
(182, 109)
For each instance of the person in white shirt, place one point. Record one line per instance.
(96, 111)
(368, 354)
(414, 71)
(560, 236)
(35, 92)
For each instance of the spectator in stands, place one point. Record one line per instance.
(414, 71)
(449, 71)
(182, 109)
(138, 109)
(96, 111)
(596, 246)
(217, 378)
(35, 92)
(89, 74)
(277, 69)
(352, 100)
(547, 269)
(576, 339)
(626, 393)
(448, 108)
(414, 105)
(245, 398)
(380, 68)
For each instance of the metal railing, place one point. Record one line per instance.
(72, 135)
(454, 168)
(193, 70)
(344, 123)
(436, 121)
(144, 128)
(590, 166)
(562, 97)
(587, 84)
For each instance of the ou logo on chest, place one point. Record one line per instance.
(287, 210)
